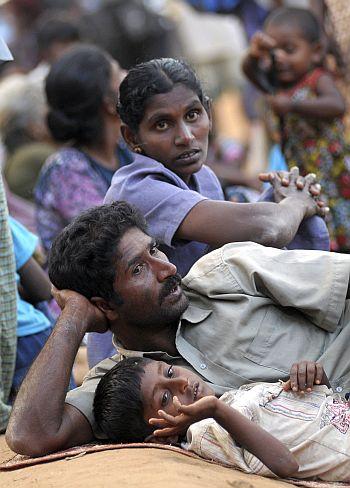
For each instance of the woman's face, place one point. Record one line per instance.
(174, 131)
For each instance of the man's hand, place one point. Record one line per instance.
(280, 104)
(73, 301)
(304, 375)
(170, 425)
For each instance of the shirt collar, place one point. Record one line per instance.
(192, 314)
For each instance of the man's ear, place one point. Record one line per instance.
(129, 137)
(110, 311)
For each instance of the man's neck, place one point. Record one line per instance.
(148, 340)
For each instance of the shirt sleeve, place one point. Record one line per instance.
(314, 282)
(163, 204)
(24, 243)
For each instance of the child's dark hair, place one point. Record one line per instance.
(153, 78)
(303, 19)
(118, 407)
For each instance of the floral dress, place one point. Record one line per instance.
(318, 146)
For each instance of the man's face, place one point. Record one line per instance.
(162, 382)
(147, 283)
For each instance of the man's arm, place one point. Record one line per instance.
(246, 433)
(41, 422)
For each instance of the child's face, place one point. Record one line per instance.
(161, 382)
(294, 55)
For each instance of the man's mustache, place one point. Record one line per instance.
(169, 285)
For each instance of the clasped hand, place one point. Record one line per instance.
(292, 184)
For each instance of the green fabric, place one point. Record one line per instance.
(8, 315)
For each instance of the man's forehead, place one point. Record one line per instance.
(133, 242)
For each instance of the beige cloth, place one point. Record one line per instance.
(314, 426)
(253, 312)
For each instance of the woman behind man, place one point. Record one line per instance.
(82, 89)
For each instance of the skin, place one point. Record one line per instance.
(176, 123)
(294, 58)
(35, 431)
(34, 285)
(171, 404)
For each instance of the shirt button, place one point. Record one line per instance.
(339, 389)
(203, 366)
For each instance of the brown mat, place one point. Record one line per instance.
(18, 461)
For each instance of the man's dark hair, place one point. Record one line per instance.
(75, 89)
(304, 20)
(83, 256)
(153, 78)
(118, 407)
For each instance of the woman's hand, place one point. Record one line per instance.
(170, 425)
(304, 375)
(288, 184)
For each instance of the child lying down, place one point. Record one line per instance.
(295, 429)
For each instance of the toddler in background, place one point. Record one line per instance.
(296, 429)
(285, 61)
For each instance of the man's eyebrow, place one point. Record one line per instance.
(152, 243)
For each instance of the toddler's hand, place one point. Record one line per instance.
(280, 104)
(261, 45)
(304, 375)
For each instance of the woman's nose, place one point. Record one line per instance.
(184, 135)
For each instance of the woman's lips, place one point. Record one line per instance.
(189, 156)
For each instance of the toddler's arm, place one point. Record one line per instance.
(327, 105)
(257, 54)
(249, 435)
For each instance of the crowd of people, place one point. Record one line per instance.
(212, 301)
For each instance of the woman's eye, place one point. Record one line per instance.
(192, 115)
(170, 372)
(162, 125)
(165, 399)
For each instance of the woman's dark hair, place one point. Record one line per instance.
(153, 78)
(83, 256)
(304, 20)
(118, 407)
(75, 87)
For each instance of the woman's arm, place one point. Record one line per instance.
(271, 224)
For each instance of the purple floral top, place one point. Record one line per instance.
(69, 183)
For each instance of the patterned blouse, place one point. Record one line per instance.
(70, 182)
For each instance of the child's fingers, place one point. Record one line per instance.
(302, 376)
(319, 373)
(310, 375)
(158, 422)
(287, 386)
(166, 432)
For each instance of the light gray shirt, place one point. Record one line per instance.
(253, 312)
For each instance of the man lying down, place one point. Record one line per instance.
(294, 429)
(244, 313)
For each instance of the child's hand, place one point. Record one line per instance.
(261, 45)
(188, 414)
(304, 375)
(280, 104)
